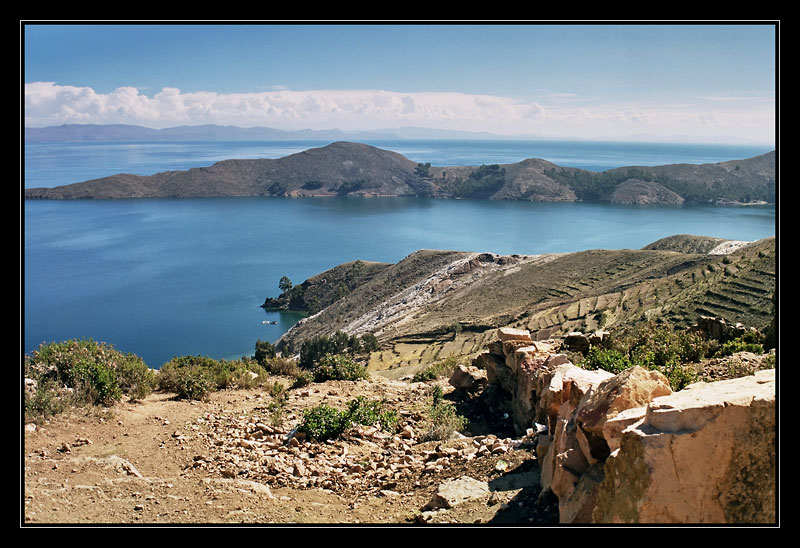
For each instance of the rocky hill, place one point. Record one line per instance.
(445, 303)
(352, 169)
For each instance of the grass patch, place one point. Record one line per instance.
(441, 368)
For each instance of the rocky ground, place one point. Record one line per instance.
(234, 460)
(222, 461)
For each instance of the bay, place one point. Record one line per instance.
(171, 277)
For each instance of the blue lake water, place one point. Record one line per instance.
(162, 278)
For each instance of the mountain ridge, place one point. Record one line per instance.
(345, 168)
(449, 302)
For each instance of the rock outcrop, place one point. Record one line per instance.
(625, 449)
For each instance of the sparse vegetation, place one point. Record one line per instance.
(445, 420)
(440, 368)
(338, 367)
(316, 348)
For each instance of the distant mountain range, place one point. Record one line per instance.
(210, 132)
(346, 168)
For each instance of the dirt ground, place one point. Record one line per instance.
(166, 461)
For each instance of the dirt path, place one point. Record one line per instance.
(224, 461)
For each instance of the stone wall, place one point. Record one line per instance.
(626, 449)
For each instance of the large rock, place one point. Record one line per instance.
(561, 384)
(511, 334)
(705, 454)
(457, 491)
(632, 388)
(468, 378)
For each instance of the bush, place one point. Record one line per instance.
(338, 367)
(313, 350)
(653, 347)
(282, 366)
(610, 360)
(264, 351)
(370, 412)
(739, 345)
(81, 372)
(323, 422)
(194, 377)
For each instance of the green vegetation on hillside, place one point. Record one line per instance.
(481, 183)
(667, 349)
(593, 186)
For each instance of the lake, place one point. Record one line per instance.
(171, 277)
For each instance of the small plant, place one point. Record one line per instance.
(445, 420)
(370, 412)
(194, 377)
(745, 343)
(277, 406)
(610, 360)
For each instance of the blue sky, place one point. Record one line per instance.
(598, 81)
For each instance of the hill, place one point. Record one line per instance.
(353, 169)
(443, 303)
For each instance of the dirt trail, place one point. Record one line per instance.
(168, 461)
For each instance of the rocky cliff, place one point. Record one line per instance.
(625, 448)
(352, 169)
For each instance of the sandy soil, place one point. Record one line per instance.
(164, 461)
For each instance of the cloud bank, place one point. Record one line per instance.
(736, 118)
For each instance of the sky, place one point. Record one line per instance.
(696, 82)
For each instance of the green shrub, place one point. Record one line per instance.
(194, 377)
(610, 360)
(193, 383)
(370, 412)
(316, 348)
(303, 379)
(264, 351)
(739, 345)
(656, 347)
(323, 422)
(338, 367)
(81, 372)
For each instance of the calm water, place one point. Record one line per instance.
(161, 278)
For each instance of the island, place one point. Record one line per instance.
(355, 169)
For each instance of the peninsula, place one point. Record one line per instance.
(354, 169)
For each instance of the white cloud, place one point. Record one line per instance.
(47, 103)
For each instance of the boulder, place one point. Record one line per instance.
(468, 378)
(511, 334)
(705, 454)
(634, 387)
(563, 383)
(577, 341)
(457, 491)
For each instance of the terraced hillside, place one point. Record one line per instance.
(435, 304)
